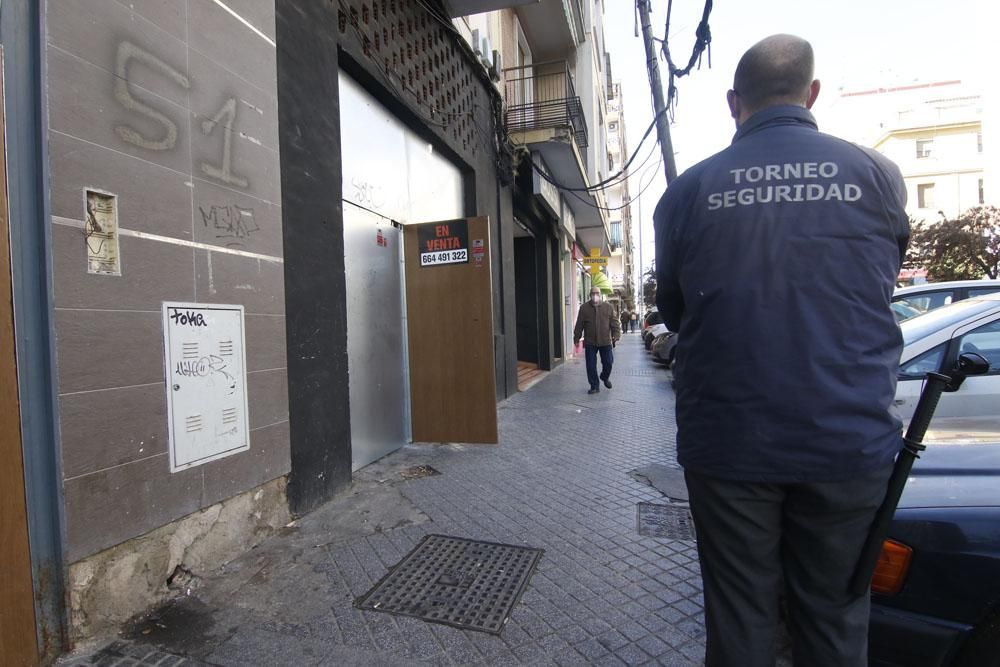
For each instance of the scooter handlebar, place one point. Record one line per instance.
(936, 384)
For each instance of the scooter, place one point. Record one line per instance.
(968, 364)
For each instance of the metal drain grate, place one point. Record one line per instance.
(640, 372)
(671, 522)
(457, 582)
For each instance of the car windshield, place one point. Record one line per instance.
(920, 327)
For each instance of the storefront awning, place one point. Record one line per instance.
(601, 281)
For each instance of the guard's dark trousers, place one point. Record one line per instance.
(750, 533)
(607, 359)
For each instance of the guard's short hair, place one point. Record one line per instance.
(776, 70)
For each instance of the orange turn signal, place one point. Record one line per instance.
(893, 564)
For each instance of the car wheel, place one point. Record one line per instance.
(648, 342)
(982, 648)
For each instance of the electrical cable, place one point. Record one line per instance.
(624, 180)
(631, 200)
(610, 180)
(703, 42)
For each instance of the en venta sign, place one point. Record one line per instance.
(444, 243)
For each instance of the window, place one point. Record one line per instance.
(928, 362)
(980, 291)
(925, 195)
(985, 341)
(982, 199)
(924, 147)
(979, 141)
(927, 300)
(616, 233)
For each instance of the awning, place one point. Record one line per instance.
(601, 281)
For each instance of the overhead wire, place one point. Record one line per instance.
(631, 199)
(702, 43)
(611, 179)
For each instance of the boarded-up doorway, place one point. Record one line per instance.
(449, 306)
(18, 644)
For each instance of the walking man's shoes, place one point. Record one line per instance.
(594, 390)
(607, 383)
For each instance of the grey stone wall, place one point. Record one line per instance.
(172, 106)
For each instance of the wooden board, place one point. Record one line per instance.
(18, 643)
(449, 310)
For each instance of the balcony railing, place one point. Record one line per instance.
(543, 96)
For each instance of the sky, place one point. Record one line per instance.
(858, 44)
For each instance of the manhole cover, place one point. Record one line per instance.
(416, 472)
(671, 522)
(457, 582)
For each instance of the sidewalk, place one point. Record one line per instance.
(602, 594)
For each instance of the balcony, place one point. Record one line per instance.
(544, 113)
(468, 7)
(543, 96)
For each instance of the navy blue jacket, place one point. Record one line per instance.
(776, 261)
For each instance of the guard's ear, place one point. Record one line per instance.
(813, 94)
(735, 106)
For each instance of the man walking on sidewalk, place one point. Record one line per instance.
(775, 262)
(600, 329)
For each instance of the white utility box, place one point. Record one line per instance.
(205, 349)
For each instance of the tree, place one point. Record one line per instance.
(965, 248)
(649, 287)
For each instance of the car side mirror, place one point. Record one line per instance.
(969, 363)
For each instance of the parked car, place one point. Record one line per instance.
(933, 341)
(663, 348)
(927, 297)
(936, 593)
(652, 326)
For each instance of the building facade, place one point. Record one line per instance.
(934, 132)
(553, 65)
(621, 270)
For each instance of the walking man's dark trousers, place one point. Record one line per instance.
(607, 359)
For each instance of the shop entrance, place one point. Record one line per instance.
(18, 643)
(401, 378)
(526, 300)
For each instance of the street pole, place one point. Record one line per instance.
(653, 69)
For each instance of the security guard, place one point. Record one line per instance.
(776, 260)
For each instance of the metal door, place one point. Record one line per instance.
(376, 339)
(391, 177)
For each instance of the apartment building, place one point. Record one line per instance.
(933, 131)
(552, 65)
